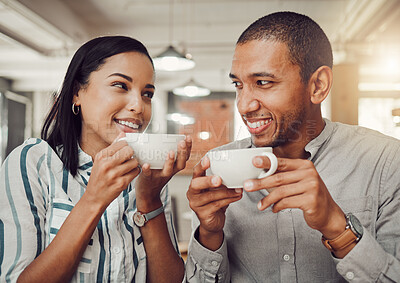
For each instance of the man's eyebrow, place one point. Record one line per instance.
(121, 75)
(261, 74)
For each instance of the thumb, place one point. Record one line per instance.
(120, 135)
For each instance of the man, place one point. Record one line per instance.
(336, 183)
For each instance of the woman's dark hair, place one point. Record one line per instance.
(62, 128)
(308, 46)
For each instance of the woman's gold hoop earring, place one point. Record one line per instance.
(75, 109)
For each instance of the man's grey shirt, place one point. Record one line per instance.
(361, 169)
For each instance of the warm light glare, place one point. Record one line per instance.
(173, 64)
(191, 89)
(379, 86)
(391, 66)
(181, 118)
(204, 135)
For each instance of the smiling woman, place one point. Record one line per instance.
(74, 192)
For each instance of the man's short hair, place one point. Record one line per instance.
(308, 46)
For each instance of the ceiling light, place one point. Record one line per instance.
(27, 28)
(191, 89)
(181, 118)
(172, 60)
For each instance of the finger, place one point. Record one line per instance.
(220, 204)
(120, 135)
(214, 196)
(279, 194)
(189, 144)
(129, 176)
(201, 183)
(201, 167)
(146, 169)
(126, 167)
(111, 150)
(284, 164)
(275, 180)
(168, 167)
(182, 155)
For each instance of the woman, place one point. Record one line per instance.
(67, 201)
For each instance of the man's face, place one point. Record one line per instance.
(270, 95)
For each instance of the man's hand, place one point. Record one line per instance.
(209, 199)
(297, 184)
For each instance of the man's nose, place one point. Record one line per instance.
(246, 101)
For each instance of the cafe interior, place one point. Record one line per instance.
(192, 43)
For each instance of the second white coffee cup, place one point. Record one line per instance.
(235, 166)
(153, 148)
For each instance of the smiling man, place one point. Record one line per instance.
(333, 210)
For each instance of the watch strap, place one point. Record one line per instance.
(341, 242)
(154, 213)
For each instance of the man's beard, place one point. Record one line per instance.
(289, 130)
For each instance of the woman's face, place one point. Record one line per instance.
(116, 99)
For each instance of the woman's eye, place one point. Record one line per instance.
(120, 85)
(148, 94)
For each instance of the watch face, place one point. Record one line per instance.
(138, 218)
(355, 225)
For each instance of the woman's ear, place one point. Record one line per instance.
(320, 84)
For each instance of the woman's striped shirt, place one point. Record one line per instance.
(36, 195)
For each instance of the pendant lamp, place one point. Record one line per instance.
(191, 89)
(171, 59)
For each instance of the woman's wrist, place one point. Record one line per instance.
(146, 205)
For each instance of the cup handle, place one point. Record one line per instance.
(122, 139)
(274, 165)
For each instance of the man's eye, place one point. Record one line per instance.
(263, 82)
(120, 85)
(237, 84)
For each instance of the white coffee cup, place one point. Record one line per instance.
(235, 166)
(153, 148)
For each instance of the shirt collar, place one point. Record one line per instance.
(314, 145)
(85, 160)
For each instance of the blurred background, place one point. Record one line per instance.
(38, 38)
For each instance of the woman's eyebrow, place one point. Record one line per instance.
(122, 75)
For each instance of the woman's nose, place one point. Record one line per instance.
(135, 103)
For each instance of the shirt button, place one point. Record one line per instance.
(214, 263)
(117, 250)
(350, 275)
(286, 257)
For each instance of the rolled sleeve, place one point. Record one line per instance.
(368, 262)
(204, 265)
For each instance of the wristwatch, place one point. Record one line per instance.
(140, 219)
(353, 233)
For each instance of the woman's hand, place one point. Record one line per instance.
(151, 181)
(113, 170)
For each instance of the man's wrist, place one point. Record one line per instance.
(210, 240)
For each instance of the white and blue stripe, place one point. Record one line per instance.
(37, 195)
